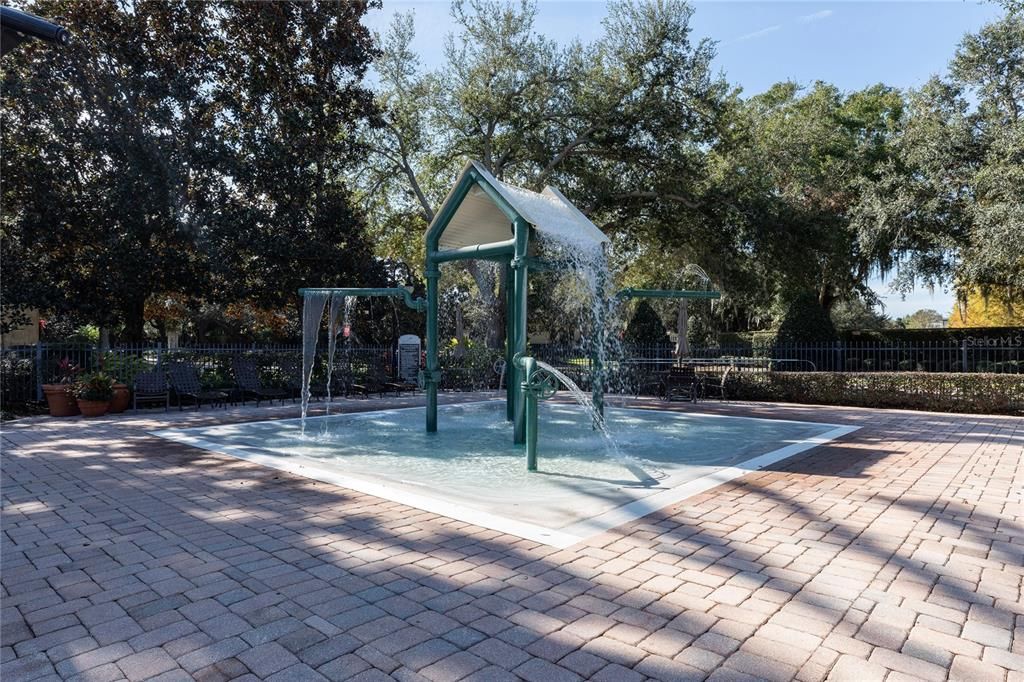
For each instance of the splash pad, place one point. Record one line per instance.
(483, 218)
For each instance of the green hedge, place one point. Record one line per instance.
(996, 336)
(937, 392)
(1002, 336)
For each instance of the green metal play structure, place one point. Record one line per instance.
(486, 219)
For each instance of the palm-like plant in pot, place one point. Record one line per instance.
(94, 392)
(59, 398)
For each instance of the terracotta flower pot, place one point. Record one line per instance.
(93, 408)
(121, 400)
(60, 400)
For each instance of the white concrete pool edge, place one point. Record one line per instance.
(558, 538)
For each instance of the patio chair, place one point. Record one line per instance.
(681, 383)
(151, 387)
(248, 382)
(400, 385)
(371, 381)
(714, 385)
(185, 381)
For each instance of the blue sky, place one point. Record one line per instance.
(850, 44)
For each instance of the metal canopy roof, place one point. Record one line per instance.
(480, 218)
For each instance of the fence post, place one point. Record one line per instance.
(39, 371)
(963, 355)
(159, 354)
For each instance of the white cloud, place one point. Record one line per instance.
(757, 34)
(817, 16)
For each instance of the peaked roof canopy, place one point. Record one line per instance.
(480, 210)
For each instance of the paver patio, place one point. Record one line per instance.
(895, 552)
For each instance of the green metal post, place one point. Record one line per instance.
(530, 398)
(510, 339)
(597, 365)
(431, 375)
(521, 273)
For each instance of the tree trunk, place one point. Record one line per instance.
(460, 334)
(135, 320)
(495, 304)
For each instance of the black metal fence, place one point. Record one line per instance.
(840, 356)
(24, 369)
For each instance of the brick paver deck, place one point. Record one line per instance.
(896, 552)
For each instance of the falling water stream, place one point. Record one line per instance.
(332, 341)
(312, 313)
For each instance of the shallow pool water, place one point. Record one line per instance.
(471, 465)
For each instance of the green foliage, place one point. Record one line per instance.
(645, 326)
(618, 124)
(947, 210)
(857, 314)
(922, 319)
(123, 367)
(789, 168)
(97, 386)
(805, 321)
(185, 148)
(1009, 336)
(962, 392)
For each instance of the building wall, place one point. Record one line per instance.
(23, 336)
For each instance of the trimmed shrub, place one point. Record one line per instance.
(996, 336)
(937, 392)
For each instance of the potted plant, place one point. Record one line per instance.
(94, 392)
(121, 368)
(59, 399)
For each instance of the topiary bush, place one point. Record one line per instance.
(805, 321)
(645, 326)
(975, 393)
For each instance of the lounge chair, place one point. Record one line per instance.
(291, 373)
(185, 381)
(150, 387)
(248, 382)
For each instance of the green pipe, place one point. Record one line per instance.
(521, 274)
(666, 293)
(432, 375)
(527, 365)
(597, 367)
(501, 249)
(510, 338)
(405, 294)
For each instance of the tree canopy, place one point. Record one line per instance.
(947, 210)
(180, 148)
(221, 155)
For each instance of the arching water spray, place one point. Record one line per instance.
(598, 420)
